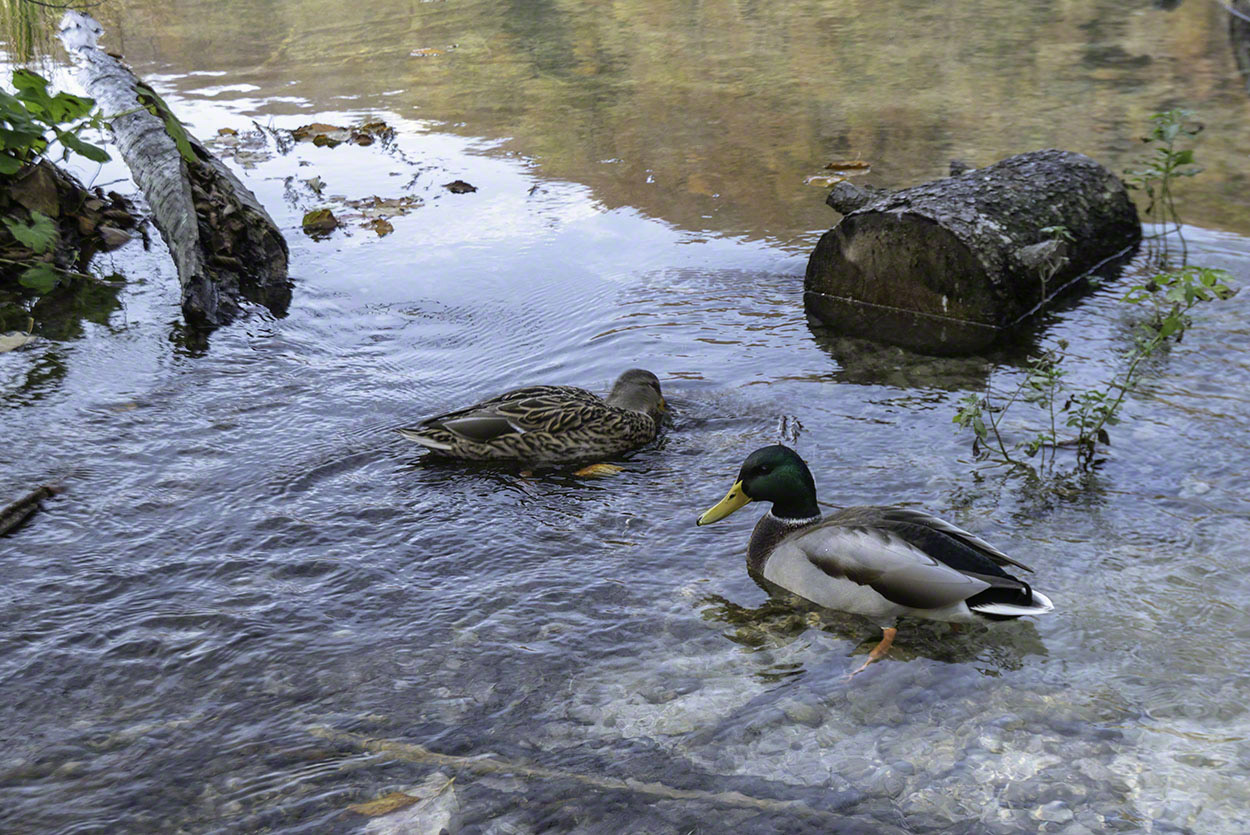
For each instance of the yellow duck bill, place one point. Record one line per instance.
(733, 500)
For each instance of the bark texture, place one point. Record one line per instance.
(12, 516)
(225, 246)
(948, 266)
(1239, 36)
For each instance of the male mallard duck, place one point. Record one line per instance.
(882, 562)
(550, 425)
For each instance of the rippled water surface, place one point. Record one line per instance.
(248, 577)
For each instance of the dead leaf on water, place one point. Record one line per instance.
(247, 148)
(459, 187)
(315, 128)
(384, 804)
(384, 207)
(380, 225)
(330, 136)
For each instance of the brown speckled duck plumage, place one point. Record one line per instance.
(549, 425)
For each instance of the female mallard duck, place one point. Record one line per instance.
(882, 562)
(549, 425)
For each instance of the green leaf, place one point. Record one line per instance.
(41, 278)
(9, 165)
(40, 235)
(32, 89)
(92, 152)
(66, 107)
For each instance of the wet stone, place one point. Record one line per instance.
(802, 712)
(1056, 810)
(1076, 829)
(885, 782)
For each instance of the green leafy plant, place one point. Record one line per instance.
(1156, 173)
(33, 119)
(39, 236)
(1088, 413)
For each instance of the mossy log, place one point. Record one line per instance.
(225, 246)
(949, 266)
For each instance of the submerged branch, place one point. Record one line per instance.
(12, 516)
(411, 752)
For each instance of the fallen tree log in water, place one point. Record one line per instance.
(949, 266)
(225, 246)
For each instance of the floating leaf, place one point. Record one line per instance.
(380, 225)
(459, 187)
(309, 131)
(384, 206)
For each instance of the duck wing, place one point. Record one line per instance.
(949, 543)
(547, 409)
(885, 561)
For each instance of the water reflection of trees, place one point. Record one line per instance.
(709, 116)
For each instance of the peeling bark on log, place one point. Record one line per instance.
(224, 244)
(948, 266)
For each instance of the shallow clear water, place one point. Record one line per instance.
(245, 556)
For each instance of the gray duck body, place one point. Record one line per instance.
(879, 561)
